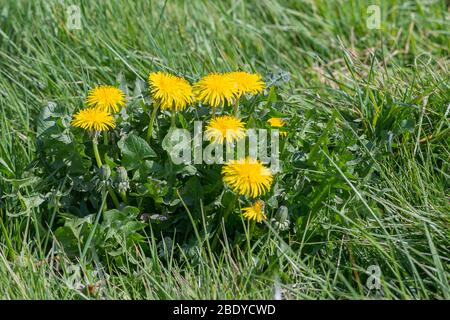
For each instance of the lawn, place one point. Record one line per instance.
(362, 196)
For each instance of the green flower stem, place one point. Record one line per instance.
(251, 228)
(100, 164)
(235, 108)
(123, 195)
(173, 119)
(96, 153)
(105, 139)
(113, 197)
(152, 120)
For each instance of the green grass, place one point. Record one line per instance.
(375, 88)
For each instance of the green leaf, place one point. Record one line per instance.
(68, 240)
(121, 222)
(46, 119)
(114, 216)
(167, 143)
(313, 155)
(193, 192)
(5, 168)
(134, 151)
(51, 120)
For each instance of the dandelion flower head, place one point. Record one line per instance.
(216, 89)
(107, 98)
(170, 91)
(93, 119)
(250, 83)
(225, 129)
(277, 123)
(255, 212)
(247, 177)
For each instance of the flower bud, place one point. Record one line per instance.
(122, 182)
(282, 214)
(281, 221)
(105, 172)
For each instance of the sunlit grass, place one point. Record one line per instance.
(390, 108)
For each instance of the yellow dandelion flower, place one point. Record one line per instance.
(216, 89)
(251, 83)
(255, 212)
(277, 123)
(107, 98)
(93, 119)
(170, 91)
(225, 128)
(247, 177)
